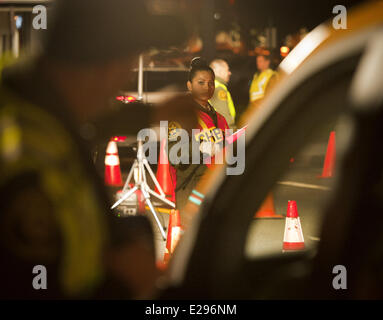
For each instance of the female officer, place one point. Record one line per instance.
(212, 128)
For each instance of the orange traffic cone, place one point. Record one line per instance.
(161, 265)
(267, 209)
(329, 162)
(163, 174)
(112, 166)
(174, 234)
(293, 237)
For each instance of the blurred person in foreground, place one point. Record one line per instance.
(54, 210)
(221, 100)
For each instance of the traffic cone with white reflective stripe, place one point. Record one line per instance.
(174, 234)
(112, 166)
(164, 176)
(293, 238)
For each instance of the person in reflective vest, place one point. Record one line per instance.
(212, 126)
(262, 81)
(221, 100)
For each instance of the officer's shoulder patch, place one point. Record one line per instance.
(173, 130)
(222, 95)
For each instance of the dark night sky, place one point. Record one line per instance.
(288, 15)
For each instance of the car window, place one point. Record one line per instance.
(298, 129)
(303, 189)
(310, 169)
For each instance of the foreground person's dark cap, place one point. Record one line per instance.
(98, 30)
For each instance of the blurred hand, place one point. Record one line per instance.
(210, 148)
(180, 109)
(207, 147)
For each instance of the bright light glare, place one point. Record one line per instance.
(126, 99)
(284, 49)
(304, 48)
(119, 138)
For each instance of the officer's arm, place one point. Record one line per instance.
(221, 106)
(175, 145)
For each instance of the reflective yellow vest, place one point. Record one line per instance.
(259, 84)
(229, 99)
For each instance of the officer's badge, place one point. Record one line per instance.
(173, 130)
(222, 95)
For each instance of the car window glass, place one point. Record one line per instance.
(309, 181)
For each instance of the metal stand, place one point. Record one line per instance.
(138, 172)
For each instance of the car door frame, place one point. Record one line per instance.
(216, 269)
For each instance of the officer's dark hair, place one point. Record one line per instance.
(198, 64)
(265, 56)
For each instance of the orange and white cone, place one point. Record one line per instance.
(112, 166)
(163, 175)
(174, 234)
(293, 238)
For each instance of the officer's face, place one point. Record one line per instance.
(226, 72)
(202, 86)
(262, 63)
